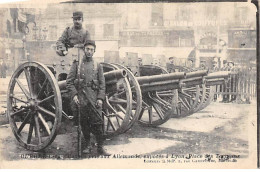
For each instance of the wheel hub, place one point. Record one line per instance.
(32, 104)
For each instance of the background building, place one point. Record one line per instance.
(152, 31)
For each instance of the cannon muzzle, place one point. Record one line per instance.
(215, 75)
(113, 76)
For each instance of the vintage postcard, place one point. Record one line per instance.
(154, 85)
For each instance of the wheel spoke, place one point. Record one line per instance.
(46, 111)
(150, 112)
(28, 81)
(118, 101)
(18, 112)
(112, 125)
(16, 98)
(30, 131)
(42, 87)
(158, 110)
(141, 114)
(121, 108)
(183, 103)
(117, 121)
(46, 99)
(24, 122)
(25, 91)
(44, 123)
(37, 129)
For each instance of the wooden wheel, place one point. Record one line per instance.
(188, 98)
(202, 95)
(136, 95)
(117, 106)
(209, 93)
(156, 109)
(34, 106)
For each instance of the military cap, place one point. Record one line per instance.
(171, 58)
(90, 42)
(77, 14)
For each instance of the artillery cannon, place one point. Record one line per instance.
(38, 102)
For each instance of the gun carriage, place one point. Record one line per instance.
(38, 104)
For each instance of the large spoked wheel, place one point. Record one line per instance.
(136, 95)
(156, 107)
(188, 99)
(209, 93)
(201, 100)
(117, 106)
(34, 106)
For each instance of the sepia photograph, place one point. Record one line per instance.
(124, 85)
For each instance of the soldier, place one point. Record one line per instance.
(203, 65)
(233, 81)
(72, 35)
(140, 61)
(215, 69)
(90, 96)
(224, 86)
(170, 65)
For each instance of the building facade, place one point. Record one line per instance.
(153, 31)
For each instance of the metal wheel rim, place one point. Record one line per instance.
(57, 100)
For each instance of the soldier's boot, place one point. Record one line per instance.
(102, 151)
(87, 150)
(100, 148)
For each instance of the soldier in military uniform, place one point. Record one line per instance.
(224, 86)
(90, 96)
(72, 35)
(170, 65)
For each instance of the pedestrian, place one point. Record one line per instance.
(3, 69)
(90, 96)
(73, 35)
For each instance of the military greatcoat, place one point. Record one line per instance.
(91, 88)
(72, 36)
(93, 82)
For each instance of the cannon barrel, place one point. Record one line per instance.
(160, 78)
(114, 75)
(161, 86)
(215, 81)
(199, 73)
(188, 82)
(215, 75)
(111, 78)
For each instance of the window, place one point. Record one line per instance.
(108, 30)
(132, 19)
(53, 32)
(183, 13)
(157, 14)
(91, 29)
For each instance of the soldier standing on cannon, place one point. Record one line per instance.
(90, 96)
(72, 35)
